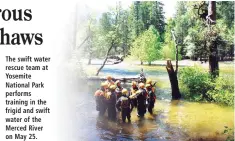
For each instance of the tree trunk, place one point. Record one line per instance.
(211, 18)
(174, 81)
(107, 54)
(141, 62)
(213, 60)
(213, 57)
(83, 42)
(175, 92)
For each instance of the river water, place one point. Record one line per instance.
(172, 120)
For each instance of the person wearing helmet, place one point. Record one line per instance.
(134, 89)
(99, 98)
(109, 80)
(141, 96)
(110, 99)
(119, 88)
(151, 98)
(124, 106)
(149, 81)
(142, 78)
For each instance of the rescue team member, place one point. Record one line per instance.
(118, 89)
(99, 98)
(134, 89)
(109, 80)
(141, 96)
(151, 98)
(149, 81)
(111, 102)
(124, 105)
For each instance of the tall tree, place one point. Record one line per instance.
(147, 47)
(157, 17)
(136, 18)
(124, 32)
(182, 19)
(213, 56)
(110, 29)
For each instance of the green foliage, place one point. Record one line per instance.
(197, 85)
(193, 34)
(225, 10)
(194, 83)
(223, 91)
(143, 14)
(125, 26)
(169, 50)
(229, 132)
(112, 29)
(147, 47)
(182, 24)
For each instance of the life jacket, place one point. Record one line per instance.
(141, 97)
(107, 95)
(152, 87)
(110, 97)
(151, 95)
(134, 90)
(125, 103)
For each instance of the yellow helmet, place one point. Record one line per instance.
(147, 85)
(124, 91)
(112, 87)
(133, 83)
(104, 84)
(109, 77)
(141, 85)
(149, 81)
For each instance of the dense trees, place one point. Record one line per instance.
(141, 31)
(147, 46)
(148, 30)
(193, 30)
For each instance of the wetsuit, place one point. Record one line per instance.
(151, 99)
(141, 102)
(111, 102)
(100, 103)
(124, 105)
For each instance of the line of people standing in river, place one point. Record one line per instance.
(112, 96)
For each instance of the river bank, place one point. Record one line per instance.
(90, 70)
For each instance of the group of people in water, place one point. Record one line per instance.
(112, 96)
